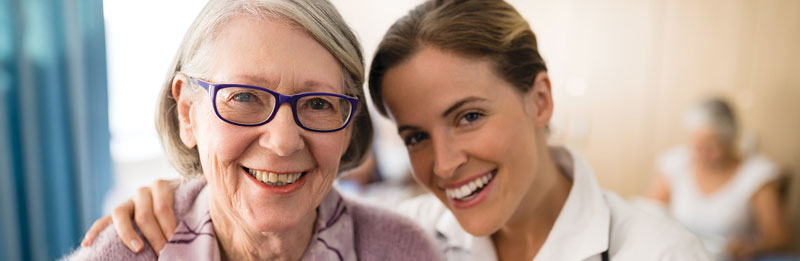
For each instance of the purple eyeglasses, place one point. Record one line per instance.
(246, 105)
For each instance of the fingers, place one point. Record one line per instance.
(121, 217)
(94, 230)
(146, 219)
(162, 206)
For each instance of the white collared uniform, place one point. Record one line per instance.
(589, 219)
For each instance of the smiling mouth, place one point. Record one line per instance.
(470, 190)
(275, 179)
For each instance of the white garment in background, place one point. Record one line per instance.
(722, 215)
(590, 221)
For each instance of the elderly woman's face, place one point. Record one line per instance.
(274, 55)
(706, 146)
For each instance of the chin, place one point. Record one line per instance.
(276, 218)
(478, 225)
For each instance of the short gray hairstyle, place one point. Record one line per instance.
(717, 115)
(318, 18)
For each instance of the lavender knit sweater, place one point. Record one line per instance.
(344, 231)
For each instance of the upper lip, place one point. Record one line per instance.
(464, 181)
(278, 172)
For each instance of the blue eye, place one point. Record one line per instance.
(469, 118)
(415, 138)
(244, 97)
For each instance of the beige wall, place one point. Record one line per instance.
(625, 71)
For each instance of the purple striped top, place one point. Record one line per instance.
(344, 230)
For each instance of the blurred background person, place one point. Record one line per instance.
(727, 197)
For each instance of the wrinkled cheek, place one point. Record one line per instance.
(223, 178)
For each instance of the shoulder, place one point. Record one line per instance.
(108, 246)
(185, 194)
(425, 210)
(384, 235)
(759, 169)
(636, 235)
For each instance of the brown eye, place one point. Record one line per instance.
(415, 138)
(319, 104)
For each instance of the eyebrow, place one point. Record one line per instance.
(461, 103)
(253, 79)
(311, 83)
(400, 129)
(270, 84)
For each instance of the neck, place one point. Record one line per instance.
(237, 241)
(525, 233)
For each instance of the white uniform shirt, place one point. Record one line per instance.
(589, 219)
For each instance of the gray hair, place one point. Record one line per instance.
(717, 115)
(318, 18)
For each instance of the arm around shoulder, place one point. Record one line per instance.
(108, 246)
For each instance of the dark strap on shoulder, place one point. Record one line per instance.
(604, 255)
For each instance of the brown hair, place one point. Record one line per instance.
(474, 28)
(318, 18)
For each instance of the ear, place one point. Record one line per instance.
(539, 101)
(184, 104)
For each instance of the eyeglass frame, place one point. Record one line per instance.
(280, 99)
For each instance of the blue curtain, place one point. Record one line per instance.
(55, 164)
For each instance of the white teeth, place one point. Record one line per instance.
(464, 192)
(275, 179)
(293, 177)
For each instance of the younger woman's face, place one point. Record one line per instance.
(471, 136)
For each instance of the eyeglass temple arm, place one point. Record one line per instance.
(207, 86)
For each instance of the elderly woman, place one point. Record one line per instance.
(727, 198)
(264, 105)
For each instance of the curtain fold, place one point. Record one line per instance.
(55, 164)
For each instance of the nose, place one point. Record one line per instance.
(448, 157)
(281, 135)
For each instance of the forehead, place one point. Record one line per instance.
(432, 80)
(272, 53)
